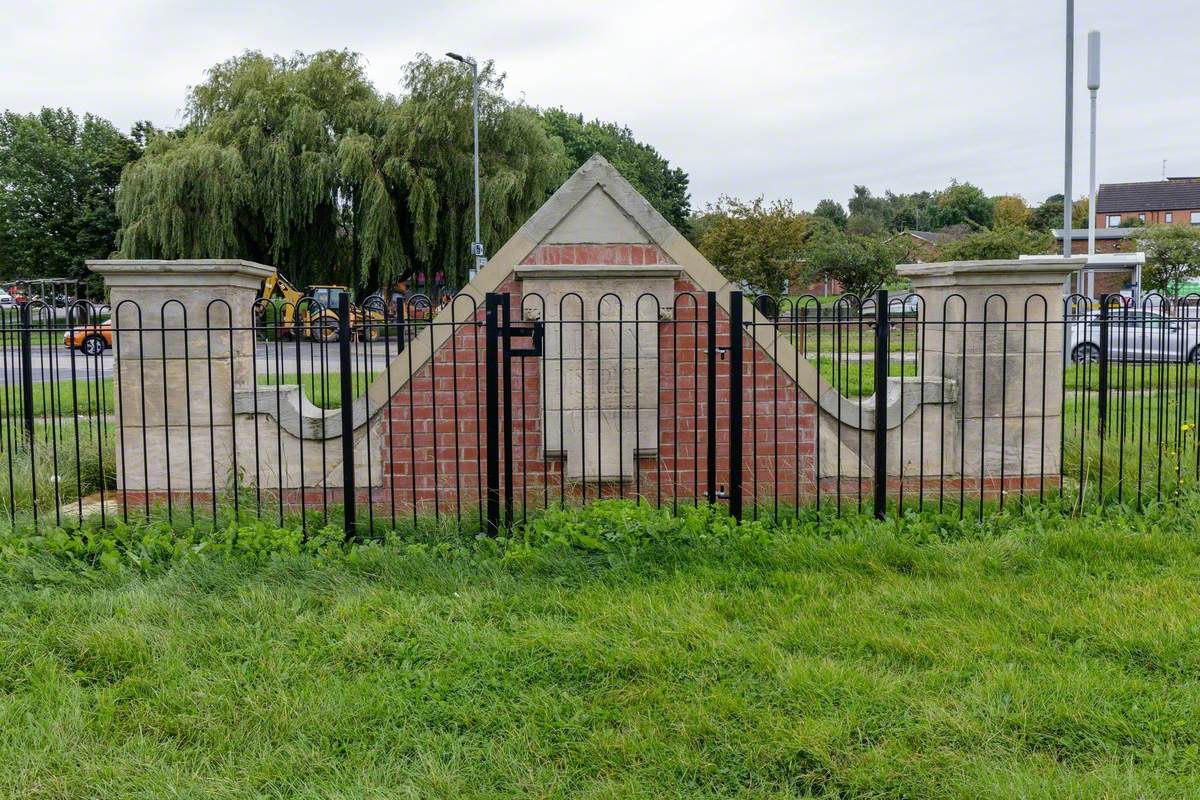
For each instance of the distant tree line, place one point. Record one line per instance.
(299, 162)
(773, 247)
(59, 174)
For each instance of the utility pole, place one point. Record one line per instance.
(1093, 83)
(477, 245)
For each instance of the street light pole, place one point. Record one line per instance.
(1070, 114)
(1093, 85)
(477, 245)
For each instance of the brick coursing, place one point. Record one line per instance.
(436, 426)
(634, 255)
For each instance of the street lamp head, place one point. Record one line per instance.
(1093, 75)
(462, 59)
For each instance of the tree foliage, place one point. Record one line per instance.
(1004, 241)
(912, 211)
(962, 203)
(58, 177)
(956, 204)
(1049, 214)
(754, 242)
(300, 163)
(869, 215)
(832, 211)
(860, 263)
(1172, 255)
(1010, 211)
(664, 186)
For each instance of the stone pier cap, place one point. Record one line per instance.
(163, 274)
(991, 274)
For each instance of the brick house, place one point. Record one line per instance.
(1174, 201)
(1108, 240)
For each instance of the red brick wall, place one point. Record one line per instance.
(437, 438)
(1178, 217)
(1080, 246)
(635, 255)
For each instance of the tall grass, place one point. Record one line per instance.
(1146, 446)
(67, 461)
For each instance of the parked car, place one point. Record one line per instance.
(1136, 336)
(91, 340)
(6, 300)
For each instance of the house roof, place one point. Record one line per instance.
(1173, 193)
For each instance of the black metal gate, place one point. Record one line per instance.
(699, 393)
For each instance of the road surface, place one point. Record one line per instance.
(56, 363)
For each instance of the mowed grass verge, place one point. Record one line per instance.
(1039, 656)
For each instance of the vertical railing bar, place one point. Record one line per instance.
(345, 378)
(736, 415)
(881, 409)
(26, 335)
(711, 389)
(492, 403)
(506, 345)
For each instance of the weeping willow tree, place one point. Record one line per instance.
(299, 162)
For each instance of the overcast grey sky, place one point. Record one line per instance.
(796, 99)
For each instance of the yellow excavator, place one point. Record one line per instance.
(313, 314)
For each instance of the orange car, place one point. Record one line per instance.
(91, 340)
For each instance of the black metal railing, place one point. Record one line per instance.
(474, 416)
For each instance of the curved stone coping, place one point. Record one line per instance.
(904, 398)
(293, 412)
(287, 405)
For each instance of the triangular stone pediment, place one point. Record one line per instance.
(597, 219)
(595, 229)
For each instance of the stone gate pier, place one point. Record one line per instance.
(996, 328)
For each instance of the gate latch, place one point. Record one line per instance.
(534, 330)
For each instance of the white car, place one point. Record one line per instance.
(6, 300)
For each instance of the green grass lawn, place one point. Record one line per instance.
(857, 378)
(1038, 657)
(1124, 376)
(322, 390)
(853, 338)
(90, 396)
(84, 395)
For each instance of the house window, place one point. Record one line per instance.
(1114, 221)
(1170, 217)
(1196, 217)
(1141, 217)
